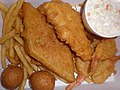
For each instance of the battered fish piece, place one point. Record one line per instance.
(43, 45)
(68, 26)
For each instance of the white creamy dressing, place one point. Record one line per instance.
(104, 16)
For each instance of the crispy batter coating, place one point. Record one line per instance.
(94, 44)
(43, 45)
(94, 40)
(105, 49)
(68, 26)
(82, 66)
(104, 70)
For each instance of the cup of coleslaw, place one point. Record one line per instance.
(102, 17)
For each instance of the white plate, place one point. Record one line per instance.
(112, 83)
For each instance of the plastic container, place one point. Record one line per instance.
(92, 22)
(112, 83)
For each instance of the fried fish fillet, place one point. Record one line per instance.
(43, 45)
(68, 26)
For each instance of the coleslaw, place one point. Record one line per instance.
(104, 16)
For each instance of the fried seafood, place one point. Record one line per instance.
(50, 43)
(79, 80)
(104, 50)
(93, 44)
(68, 26)
(104, 70)
(43, 45)
(94, 40)
(82, 67)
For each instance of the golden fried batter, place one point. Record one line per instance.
(94, 40)
(43, 45)
(82, 67)
(105, 49)
(68, 26)
(104, 70)
(94, 44)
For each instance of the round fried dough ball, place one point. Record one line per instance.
(11, 77)
(42, 80)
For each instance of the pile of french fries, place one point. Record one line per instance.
(12, 44)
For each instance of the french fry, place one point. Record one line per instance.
(6, 19)
(3, 15)
(17, 59)
(8, 14)
(3, 7)
(28, 59)
(19, 39)
(13, 61)
(11, 51)
(32, 65)
(3, 48)
(7, 37)
(23, 60)
(12, 18)
(14, 14)
(17, 24)
(3, 56)
(36, 62)
(21, 87)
